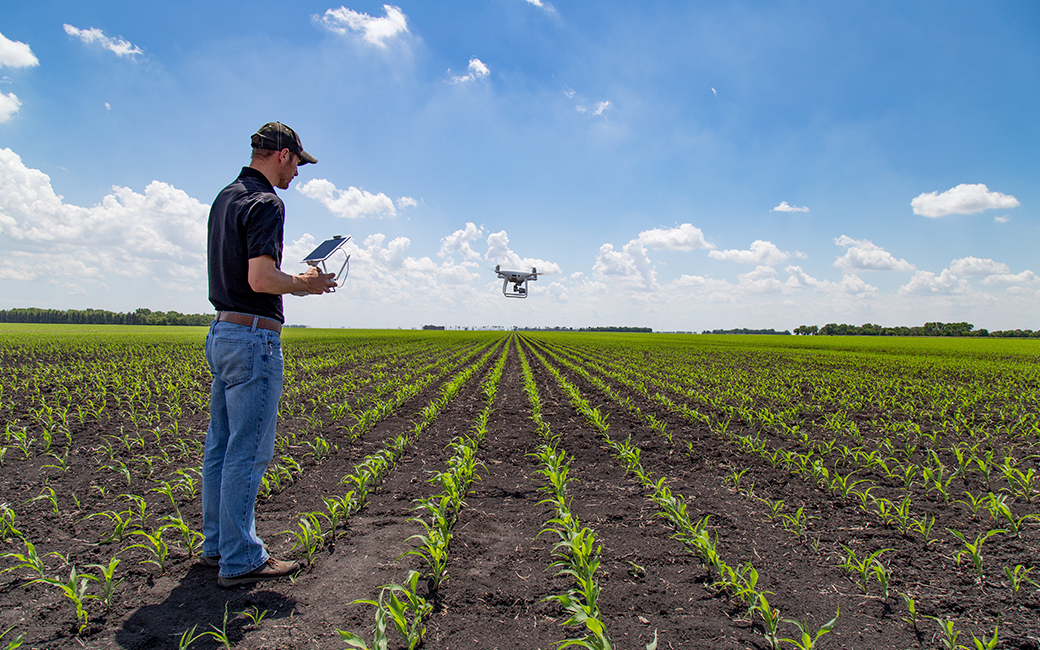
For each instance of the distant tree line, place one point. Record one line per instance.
(101, 317)
(639, 330)
(433, 327)
(744, 330)
(928, 329)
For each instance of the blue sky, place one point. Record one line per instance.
(677, 165)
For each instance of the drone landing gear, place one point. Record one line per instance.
(519, 289)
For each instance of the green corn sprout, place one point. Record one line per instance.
(1018, 575)
(47, 494)
(774, 507)
(254, 615)
(14, 643)
(795, 522)
(949, 634)
(189, 637)
(807, 641)
(770, 620)
(108, 583)
(75, 589)
(28, 560)
(310, 536)
(1001, 509)
(984, 643)
(864, 566)
(155, 545)
(974, 549)
(911, 606)
(191, 539)
(221, 633)
(7, 529)
(924, 526)
(844, 485)
(406, 610)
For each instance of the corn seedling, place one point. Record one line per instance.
(254, 615)
(28, 560)
(189, 637)
(107, 579)
(75, 589)
(807, 641)
(119, 523)
(7, 529)
(774, 507)
(310, 536)
(974, 502)
(795, 522)
(949, 635)
(1018, 575)
(15, 642)
(191, 539)
(844, 485)
(987, 644)
(911, 607)
(770, 620)
(1000, 509)
(47, 494)
(433, 547)
(221, 633)
(407, 613)
(974, 549)
(864, 566)
(924, 526)
(155, 545)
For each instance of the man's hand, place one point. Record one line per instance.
(315, 282)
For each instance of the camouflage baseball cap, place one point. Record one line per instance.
(277, 136)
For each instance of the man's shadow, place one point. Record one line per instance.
(197, 602)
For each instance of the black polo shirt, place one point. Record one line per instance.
(246, 221)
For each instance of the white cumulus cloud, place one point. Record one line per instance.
(762, 252)
(477, 70)
(500, 253)
(785, 207)
(864, 255)
(685, 237)
(850, 283)
(350, 203)
(459, 242)
(963, 199)
(9, 105)
(158, 235)
(375, 31)
(976, 266)
(117, 46)
(1023, 278)
(926, 283)
(15, 54)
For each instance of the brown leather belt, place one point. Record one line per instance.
(244, 319)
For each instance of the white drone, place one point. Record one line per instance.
(518, 279)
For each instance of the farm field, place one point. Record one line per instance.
(522, 490)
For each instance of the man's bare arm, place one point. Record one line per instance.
(266, 277)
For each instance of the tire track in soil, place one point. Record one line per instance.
(672, 594)
(805, 582)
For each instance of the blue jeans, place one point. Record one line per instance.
(246, 363)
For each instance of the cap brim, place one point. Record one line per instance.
(306, 158)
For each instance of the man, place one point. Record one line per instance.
(244, 352)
